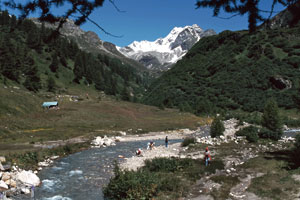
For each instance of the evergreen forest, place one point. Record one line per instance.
(31, 57)
(233, 71)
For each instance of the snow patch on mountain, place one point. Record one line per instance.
(163, 52)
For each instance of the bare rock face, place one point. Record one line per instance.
(281, 83)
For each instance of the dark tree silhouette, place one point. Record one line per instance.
(79, 10)
(242, 7)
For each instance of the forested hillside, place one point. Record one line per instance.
(30, 57)
(233, 70)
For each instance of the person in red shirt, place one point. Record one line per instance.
(207, 156)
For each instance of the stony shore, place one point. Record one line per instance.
(11, 182)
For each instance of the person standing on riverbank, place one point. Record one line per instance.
(207, 156)
(166, 141)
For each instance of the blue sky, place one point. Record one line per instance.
(151, 19)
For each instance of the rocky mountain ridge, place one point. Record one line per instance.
(285, 19)
(89, 41)
(163, 52)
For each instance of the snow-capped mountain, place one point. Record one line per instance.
(163, 52)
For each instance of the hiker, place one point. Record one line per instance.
(207, 156)
(138, 152)
(151, 145)
(166, 141)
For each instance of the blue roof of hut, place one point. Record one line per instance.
(48, 104)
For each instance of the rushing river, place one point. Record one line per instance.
(82, 175)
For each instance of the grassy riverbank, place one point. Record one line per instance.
(162, 178)
(30, 159)
(26, 127)
(267, 169)
(23, 121)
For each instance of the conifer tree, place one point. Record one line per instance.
(32, 81)
(78, 67)
(54, 64)
(217, 128)
(242, 7)
(270, 118)
(51, 84)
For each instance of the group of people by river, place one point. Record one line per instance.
(151, 144)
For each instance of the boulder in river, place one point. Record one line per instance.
(106, 141)
(28, 178)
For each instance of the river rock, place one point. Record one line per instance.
(13, 183)
(285, 139)
(98, 141)
(106, 141)
(2, 159)
(8, 182)
(1, 167)
(28, 178)
(3, 185)
(25, 190)
(7, 166)
(122, 133)
(118, 139)
(43, 164)
(5, 176)
(296, 177)
(54, 157)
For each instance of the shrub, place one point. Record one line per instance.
(296, 152)
(217, 128)
(251, 133)
(271, 120)
(291, 122)
(297, 143)
(161, 164)
(160, 176)
(187, 141)
(167, 164)
(214, 165)
(27, 160)
(267, 133)
(157, 176)
(131, 185)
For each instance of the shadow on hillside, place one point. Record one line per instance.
(291, 157)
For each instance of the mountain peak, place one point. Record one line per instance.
(167, 50)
